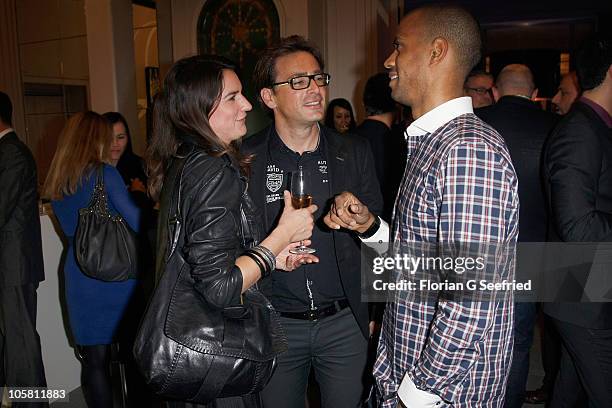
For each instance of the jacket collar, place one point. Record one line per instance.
(335, 150)
(603, 115)
(331, 142)
(6, 132)
(517, 100)
(190, 144)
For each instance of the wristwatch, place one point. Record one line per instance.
(371, 230)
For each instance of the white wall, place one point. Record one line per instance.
(62, 369)
(112, 75)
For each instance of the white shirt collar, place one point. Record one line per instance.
(6, 132)
(439, 116)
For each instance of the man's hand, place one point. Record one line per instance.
(374, 328)
(348, 212)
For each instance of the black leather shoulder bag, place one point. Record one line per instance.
(191, 351)
(105, 245)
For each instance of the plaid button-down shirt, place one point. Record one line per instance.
(459, 185)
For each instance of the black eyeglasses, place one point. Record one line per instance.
(480, 91)
(303, 81)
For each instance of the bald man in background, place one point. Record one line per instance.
(524, 126)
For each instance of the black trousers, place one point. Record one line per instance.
(21, 362)
(589, 352)
(334, 348)
(551, 353)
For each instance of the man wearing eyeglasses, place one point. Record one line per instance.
(478, 85)
(321, 311)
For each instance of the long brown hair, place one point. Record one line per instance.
(83, 143)
(190, 93)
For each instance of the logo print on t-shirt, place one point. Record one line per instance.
(322, 166)
(274, 181)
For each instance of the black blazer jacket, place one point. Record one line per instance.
(524, 127)
(21, 259)
(351, 168)
(578, 171)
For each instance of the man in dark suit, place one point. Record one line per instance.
(578, 175)
(524, 127)
(320, 304)
(21, 261)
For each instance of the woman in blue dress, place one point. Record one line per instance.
(95, 308)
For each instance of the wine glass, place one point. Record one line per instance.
(301, 197)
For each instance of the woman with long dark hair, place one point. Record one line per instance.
(199, 117)
(122, 156)
(339, 116)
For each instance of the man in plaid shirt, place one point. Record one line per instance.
(459, 186)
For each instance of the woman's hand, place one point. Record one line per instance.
(293, 226)
(137, 185)
(287, 261)
(296, 225)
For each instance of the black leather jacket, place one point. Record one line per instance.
(217, 221)
(197, 341)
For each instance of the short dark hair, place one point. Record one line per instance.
(377, 95)
(477, 72)
(458, 27)
(265, 69)
(6, 109)
(593, 60)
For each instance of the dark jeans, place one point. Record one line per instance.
(589, 353)
(335, 348)
(524, 322)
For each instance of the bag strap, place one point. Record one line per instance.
(99, 201)
(175, 221)
(169, 224)
(214, 384)
(100, 176)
